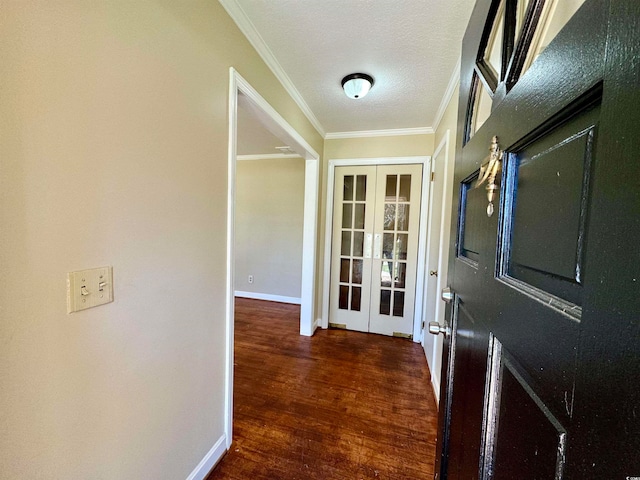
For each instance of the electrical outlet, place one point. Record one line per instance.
(250, 278)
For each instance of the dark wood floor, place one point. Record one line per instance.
(338, 405)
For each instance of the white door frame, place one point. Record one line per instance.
(422, 234)
(441, 246)
(274, 122)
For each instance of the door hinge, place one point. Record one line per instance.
(433, 175)
(423, 325)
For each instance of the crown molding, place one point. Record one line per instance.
(267, 156)
(255, 39)
(381, 133)
(448, 94)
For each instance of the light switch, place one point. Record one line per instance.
(89, 288)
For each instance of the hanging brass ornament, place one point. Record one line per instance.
(489, 172)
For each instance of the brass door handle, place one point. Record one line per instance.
(433, 273)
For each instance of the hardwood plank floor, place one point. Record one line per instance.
(338, 405)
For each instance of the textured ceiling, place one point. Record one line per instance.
(410, 47)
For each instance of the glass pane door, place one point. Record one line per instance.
(374, 248)
(397, 217)
(352, 243)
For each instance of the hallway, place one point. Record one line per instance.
(339, 405)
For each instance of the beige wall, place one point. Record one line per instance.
(113, 151)
(391, 146)
(269, 219)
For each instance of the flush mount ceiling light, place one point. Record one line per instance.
(357, 85)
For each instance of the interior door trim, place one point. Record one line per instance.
(269, 116)
(425, 161)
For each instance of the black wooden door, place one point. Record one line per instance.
(541, 379)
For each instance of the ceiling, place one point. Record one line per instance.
(253, 137)
(410, 47)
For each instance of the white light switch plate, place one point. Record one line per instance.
(89, 288)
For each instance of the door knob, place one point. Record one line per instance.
(433, 273)
(447, 295)
(435, 328)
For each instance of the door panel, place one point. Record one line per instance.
(605, 415)
(394, 271)
(436, 257)
(536, 281)
(543, 247)
(469, 370)
(472, 208)
(353, 216)
(524, 436)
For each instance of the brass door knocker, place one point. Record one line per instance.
(489, 171)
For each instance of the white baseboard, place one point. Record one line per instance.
(436, 389)
(309, 333)
(209, 461)
(268, 297)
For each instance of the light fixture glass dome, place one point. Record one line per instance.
(357, 85)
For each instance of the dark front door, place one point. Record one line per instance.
(542, 375)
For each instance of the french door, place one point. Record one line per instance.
(376, 219)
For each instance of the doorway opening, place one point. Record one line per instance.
(241, 92)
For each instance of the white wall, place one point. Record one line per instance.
(269, 220)
(113, 151)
